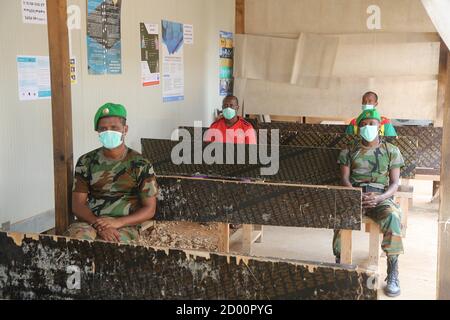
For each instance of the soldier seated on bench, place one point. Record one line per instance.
(370, 102)
(374, 165)
(115, 187)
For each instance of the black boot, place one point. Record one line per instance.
(392, 288)
(338, 259)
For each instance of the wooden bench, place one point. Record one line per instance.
(250, 236)
(208, 200)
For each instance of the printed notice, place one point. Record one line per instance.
(104, 37)
(34, 78)
(150, 72)
(173, 61)
(34, 11)
(188, 34)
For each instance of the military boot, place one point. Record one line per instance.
(392, 288)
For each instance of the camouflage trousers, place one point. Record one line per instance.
(388, 216)
(85, 231)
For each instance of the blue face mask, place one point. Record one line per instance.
(111, 139)
(229, 113)
(366, 107)
(369, 133)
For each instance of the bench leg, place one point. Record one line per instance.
(224, 238)
(259, 229)
(436, 190)
(374, 246)
(346, 247)
(407, 182)
(247, 233)
(404, 205)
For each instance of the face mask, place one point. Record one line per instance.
(369, 133)
(366, 107)
(229, 113)
(111, 139)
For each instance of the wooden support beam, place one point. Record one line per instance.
(247, 235)
(260, 233)
(374, 246)
(442, 85)
(346, 247)
(443, 280)
(240, 16)
(58, 38)
(224, 237)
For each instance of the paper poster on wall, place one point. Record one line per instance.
(104, 37)
(34, 11)
(188, 30)
(150, 72)
(173, 61)
(34, 78)
(226, 63)
(73, 70)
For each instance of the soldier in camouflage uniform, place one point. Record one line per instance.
(115, 187)
(374, 165)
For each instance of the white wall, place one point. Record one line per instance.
(316, 58)
(26, 163)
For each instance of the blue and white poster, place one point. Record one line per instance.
(34, 78)
(226, 63)
(104, 37)
(173, 61)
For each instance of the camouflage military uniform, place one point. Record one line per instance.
(370, 167)
(115, 189)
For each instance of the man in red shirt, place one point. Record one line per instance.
(231, 128)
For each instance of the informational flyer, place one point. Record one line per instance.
(34, 78)
(104, 37)
(173, 61)
(34, 11)
(150, 72)
(188, 34)
(226, 63)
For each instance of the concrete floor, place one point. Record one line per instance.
(417, 266)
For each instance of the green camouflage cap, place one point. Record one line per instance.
(110, 110)
(369, 114)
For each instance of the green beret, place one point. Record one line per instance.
(110, 110)
(369, 114)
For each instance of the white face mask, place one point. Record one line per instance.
(369, 133)
(111, 139)
(367, 107)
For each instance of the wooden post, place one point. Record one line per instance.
(224, 238)
(240, 17)
(247, 234)
(346, 247)
(443, 275)
(374, 246)
(58, 38)
(442, 85)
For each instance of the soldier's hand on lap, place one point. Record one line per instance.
(107, 223)
(109, 234)
(371, 200)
